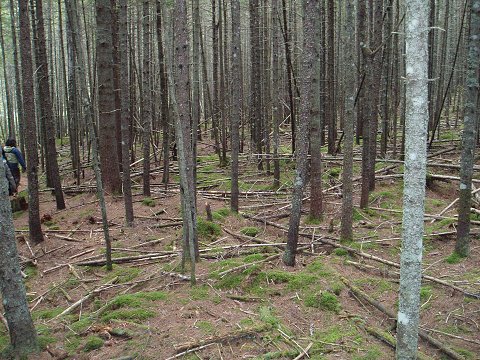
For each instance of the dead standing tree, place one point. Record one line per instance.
(34, 226)
(306, 87)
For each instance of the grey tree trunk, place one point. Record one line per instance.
(34, 226)
(470, 123)
(10, 117)
(416, 122)
(347, 175)
(23, 335)
(237, 100)
(125, 113)
(310, 8)
(181, 104)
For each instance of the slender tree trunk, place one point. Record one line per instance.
(416, 122)
(215, 107)
(277, 94)
(237, 100)
(330, 76)
(18, 80)
(35, 229)
(23, 335)
(165, 111)
(470, 124)
(10, 118)
(311, 8)
(316, 195)
(350, 93)
(47, 110)
(146, 98)
(125, 111)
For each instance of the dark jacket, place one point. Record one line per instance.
(14, 157)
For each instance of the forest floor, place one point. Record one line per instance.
(246, 304)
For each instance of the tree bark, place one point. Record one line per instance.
(47, 110)
(125, 111)
(308, 72)
(23, 335)
(237, 101)
(470, 124)
(106, 99)
(416, 122)
(35, 229)
(146, 98)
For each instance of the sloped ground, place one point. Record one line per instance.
(246, 304)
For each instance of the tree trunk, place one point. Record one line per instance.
(146, 98)
(330, 77)
(47, 110)
(125, 112)
(316, 196)
(470, 124)
(311, 8)
(416, 122)
(237, 100)
(35, 229)
(106, 99)
(10, 118)
(23, 335)
(277, 94)
(183, 130)
(350, 93)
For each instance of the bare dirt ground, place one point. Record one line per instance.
(246, 304)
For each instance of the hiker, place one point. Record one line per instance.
(14, 158)
(12, 187)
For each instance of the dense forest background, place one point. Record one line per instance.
(272, 149)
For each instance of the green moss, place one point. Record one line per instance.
(301, 281)
(18, 214)
(93, 343)
(152, 296)
(208, 230)
(148, 202)
(425, 293)
(253, 257)
(324, 301)
(126, 300)
(246, 322)
(128, 314)
(251, 231)
(72, 343)
(372, 354)
(201, 292)
(30, 271)
(318, 268)
(277, 276)
(267, 316)
(230, 281)
(44, 340)
(46, 314)
(81, 325)
(310, 220)
(124, 274)
(454, 258)
(4, 343)
(340, 252)
(220, 214)
(206, 327)
(337, 287)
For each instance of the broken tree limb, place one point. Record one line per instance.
(328, 241)
(359, 293)
(180, 348)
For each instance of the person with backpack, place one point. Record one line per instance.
(12, 186)
(14, 159)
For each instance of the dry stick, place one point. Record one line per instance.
(445, 349)
(91, 294)
(219, 339)
(452, 336)
(127, 259)
(189, 351)
(304, 352)
(252, 239)
(451, 204)
(147, 243)
(365, 255)
(389, 339)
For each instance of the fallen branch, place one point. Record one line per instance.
(219, 339)
(353, 251)
(359, 293)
